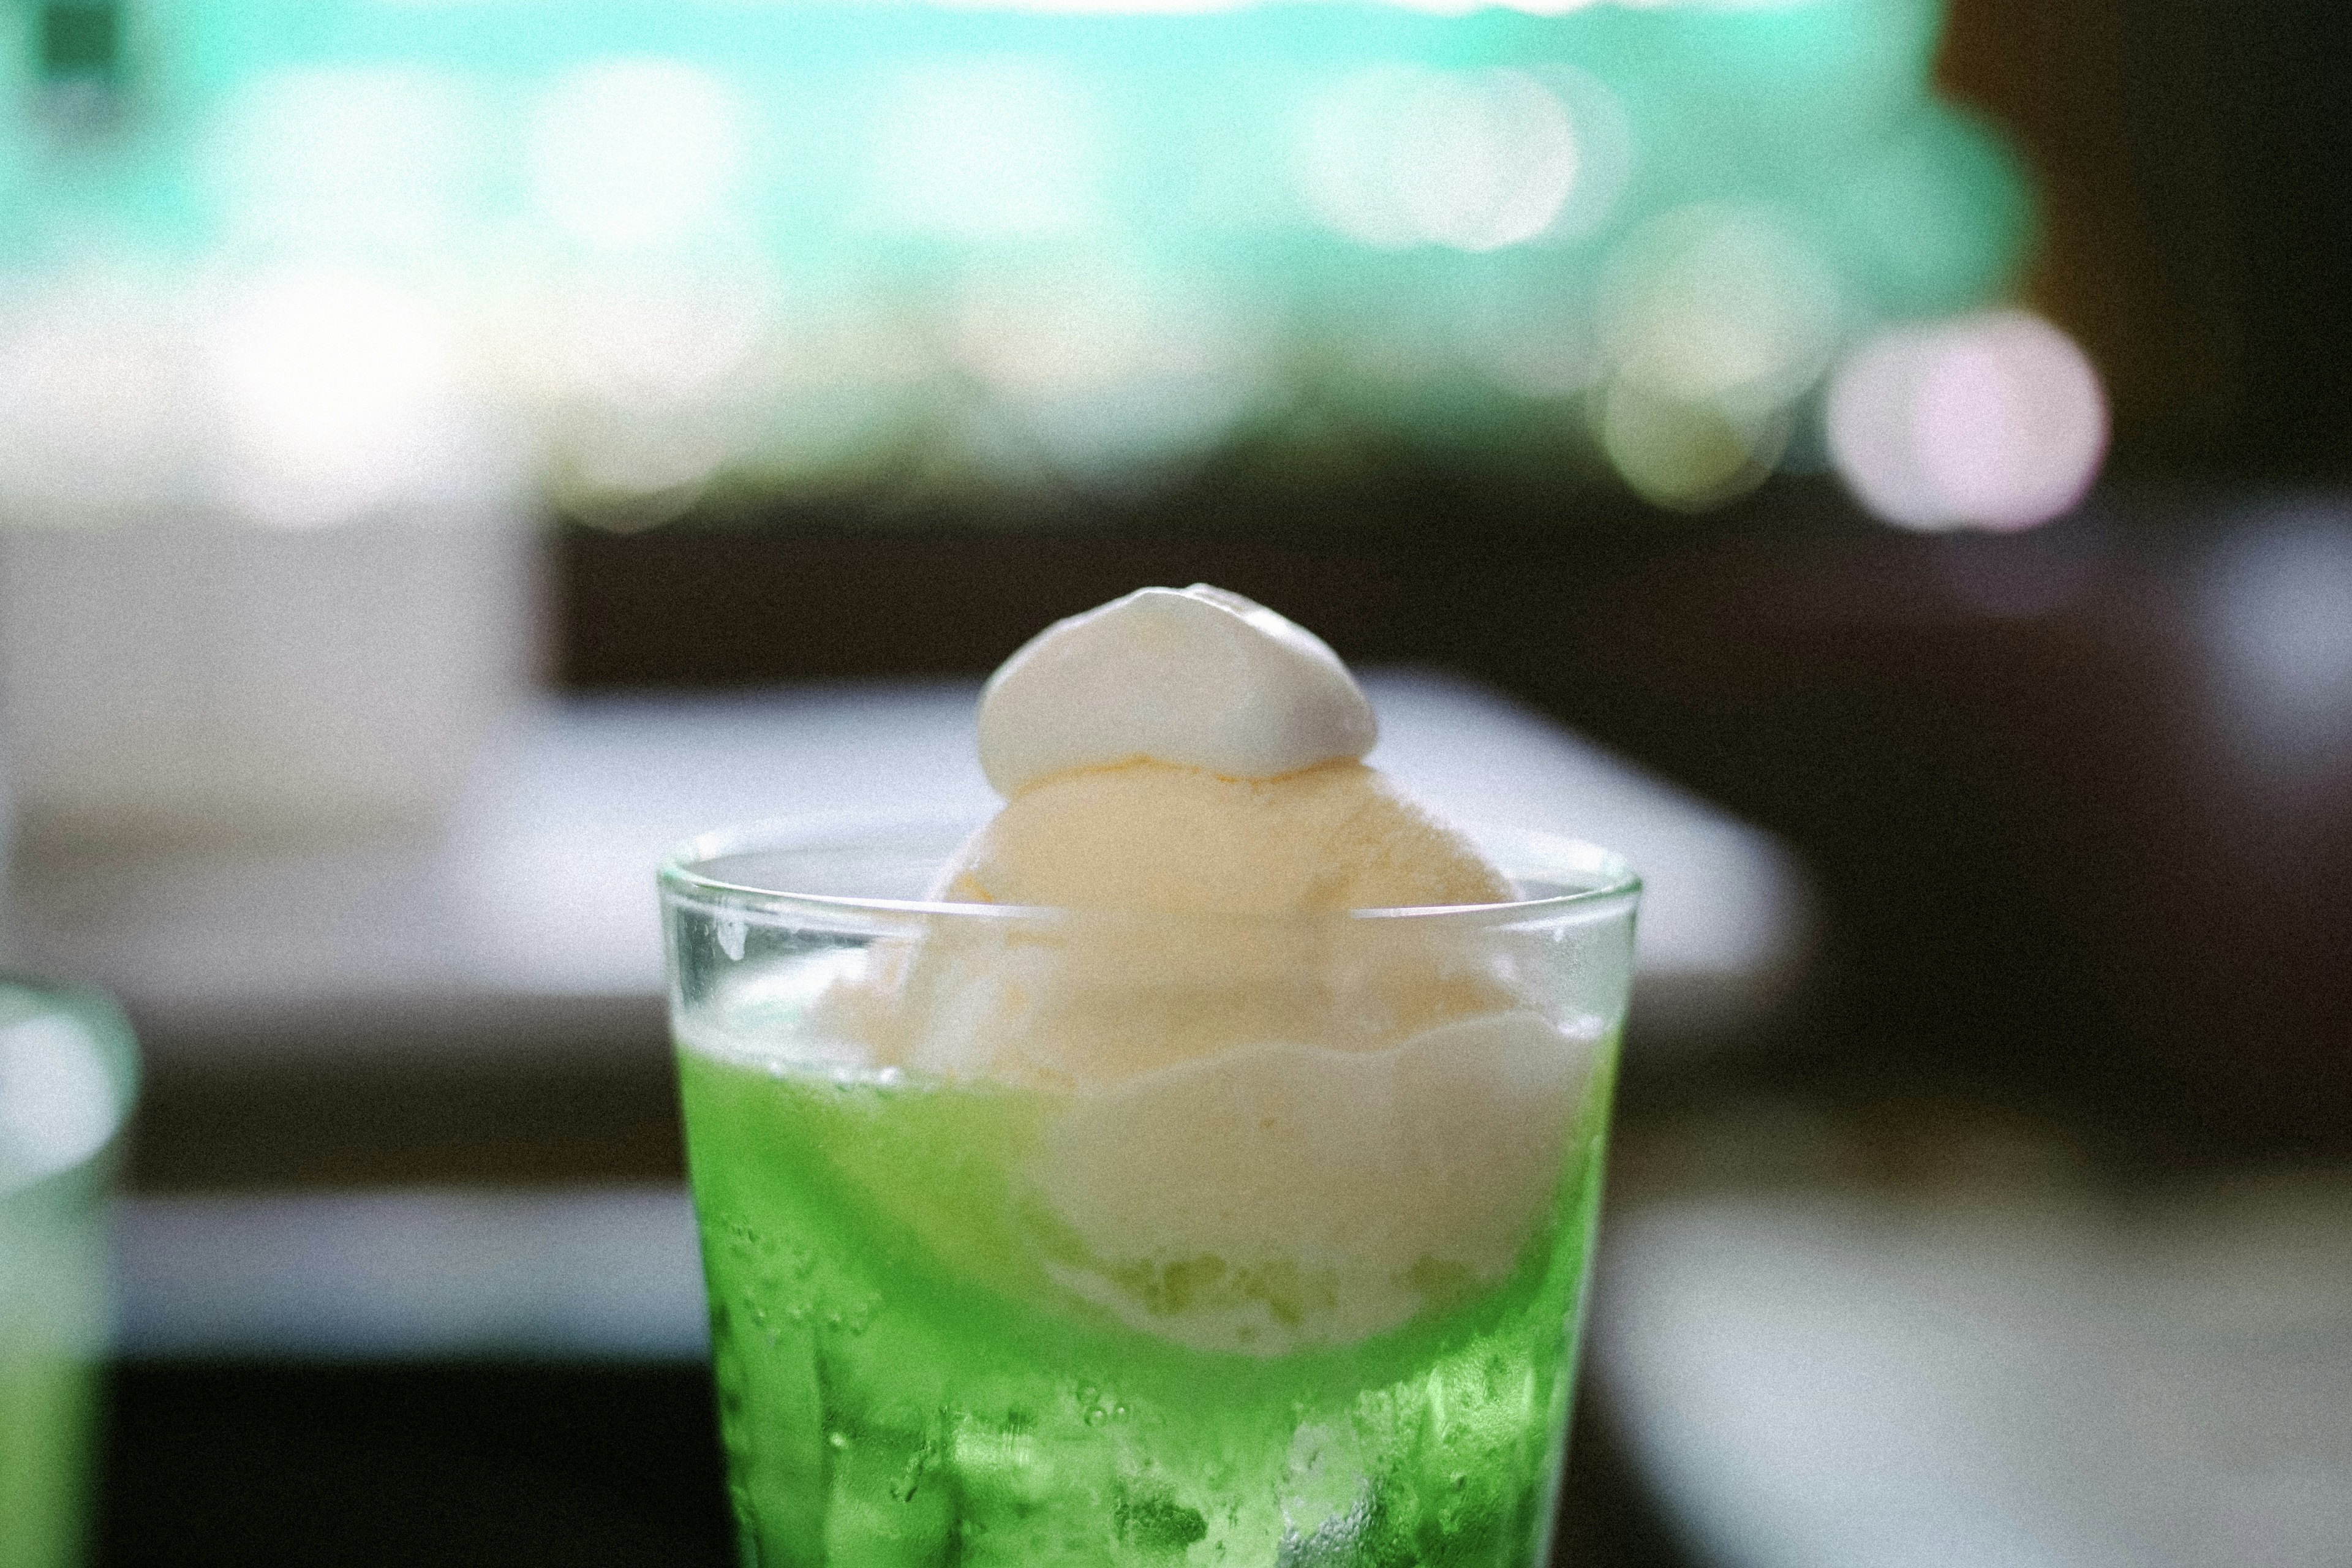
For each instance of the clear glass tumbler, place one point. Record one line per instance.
(1044, 1236)
(67, 1076)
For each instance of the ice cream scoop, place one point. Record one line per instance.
(1317, 1122)
(1175, 753)
(1150, 836)
(1192, 752)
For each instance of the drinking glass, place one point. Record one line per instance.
(68, 1075)
(1038, 1236)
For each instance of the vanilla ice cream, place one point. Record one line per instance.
(1277, 1123)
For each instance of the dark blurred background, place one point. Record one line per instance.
(1917, 433)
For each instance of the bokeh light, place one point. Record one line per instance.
(1683, 454)
(1102, 369)
(625, 151)
(339, 393)
(1995, 420)
(657, 331)
(646, 373)
(988, 149)
(1398, 155)
(1721, 305)
(1714, 322)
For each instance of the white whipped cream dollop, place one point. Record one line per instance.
(1195, 677)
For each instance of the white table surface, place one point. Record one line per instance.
(2048, 1378)
(530, 916)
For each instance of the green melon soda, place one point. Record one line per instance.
(1203, 1171)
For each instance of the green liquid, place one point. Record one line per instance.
(45, 1402)
(900, 1382)
(51, 1307)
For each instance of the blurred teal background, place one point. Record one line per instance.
(384, 247)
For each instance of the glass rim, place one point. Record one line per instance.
(681, 880)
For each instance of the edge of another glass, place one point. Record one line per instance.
(97, 1013)
(101, 1021)
(1520, 850)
